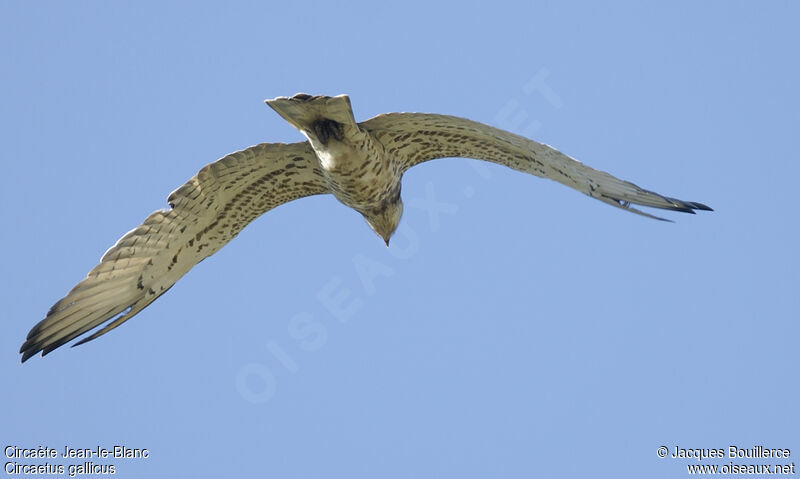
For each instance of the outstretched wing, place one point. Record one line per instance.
(416, 137)
(206, 213)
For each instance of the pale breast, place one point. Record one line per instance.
(360, 174)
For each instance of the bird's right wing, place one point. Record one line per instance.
(205, 214)
(413, 138)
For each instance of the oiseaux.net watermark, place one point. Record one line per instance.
(731, 460)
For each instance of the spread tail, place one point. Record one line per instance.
(309, 113)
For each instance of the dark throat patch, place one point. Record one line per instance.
(325, 129)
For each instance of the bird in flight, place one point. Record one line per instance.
(361, 164)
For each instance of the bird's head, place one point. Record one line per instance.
(384, 219)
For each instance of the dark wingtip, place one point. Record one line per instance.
(683, 209)
(85, 340)
(686, 206)
(27, 350)
(700, 206)
(27, 354)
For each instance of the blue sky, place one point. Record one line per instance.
(516, 328)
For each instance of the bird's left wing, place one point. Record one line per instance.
(205, 214)
(413, 138)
